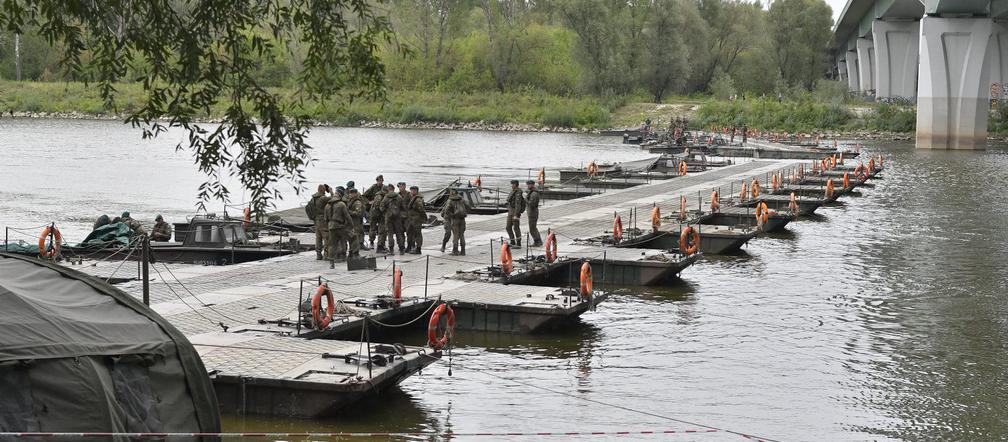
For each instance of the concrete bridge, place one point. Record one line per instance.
(949, 55)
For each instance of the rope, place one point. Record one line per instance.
(163, 281)
(165, 265)
(406, 323)
(137, 244)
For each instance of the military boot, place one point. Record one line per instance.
(443, 245)
(462, 253)
(517, 244)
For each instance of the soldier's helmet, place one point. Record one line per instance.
(159, 218)
(514, 182)
(125, 214)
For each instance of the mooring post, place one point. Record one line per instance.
(426, 278)
(233, 239)
(491, 251)
(604, 252)
(146, 271)
(367, 332)
(300, 301)
(5, 236)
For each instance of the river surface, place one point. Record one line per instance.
(882, 318)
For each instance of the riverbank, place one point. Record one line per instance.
(526, 111)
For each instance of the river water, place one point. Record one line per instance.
(881, 318)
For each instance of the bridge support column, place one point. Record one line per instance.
(953, 86)
(866, 64)
(853, 85)
(841, 70)
(998, 54)
(896, 52)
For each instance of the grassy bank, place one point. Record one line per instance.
(528, 108)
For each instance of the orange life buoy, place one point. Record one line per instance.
(655, 218)
(321, 322)
(829, 189)
(755, 188)
(775, 183)
(53, 248)
(592, 169)
(551, 247)
(881, 161)
(846, 180)
(762, 214)
(505, 257)
(833, 161)
(793, 204)
(617, 228)
(397, 284)
(247, 220)
(433, 340)
(479, 182)
(542, 176)
(689, 241)
(586, 280)
(715, 201)
(682, 208)
(871, 165)
(682, 168)
(744, 193)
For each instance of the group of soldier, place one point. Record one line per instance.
(395, 217)
(162, 231)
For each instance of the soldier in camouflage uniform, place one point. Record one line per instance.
(340, 225)
(532, 208)
(392, 209)
(356, 207)
(404, 200)
(454, 213)
(417, 216)
(315, 209)
(161, 231)
(377, 220)
(369, 196)
(515, 206)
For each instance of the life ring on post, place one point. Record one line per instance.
(551, 247)
(397, 284)
(682, 208)
(689, 241)
(321, 322)
(247, 218)
(829, 189)
(479, 182)
(846, 180)
(762, 214)
(744, 193)
(433, 340)
(542, 177)
(51, 251)
(775, 182)
(586, 280)
(682, 168)
(793, 204)
(871, 165)
(507, 265)
(715, 201)
(617, 228)
(755, 188)
(655, 218)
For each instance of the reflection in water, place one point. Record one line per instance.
(881, 318)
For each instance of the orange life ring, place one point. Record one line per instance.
(775, 183)
(617, 228)
(793, 204)
(592, 169)
(551, 247)
(682, 168)
(846, 180)
(762, 214)
(881, 161)
(52, 250)
(755, 188)
(432, 327)
(397, 284)
(507, 264)
(744, 193)
(479, 182)
(655, 218)
(682, 208)
(858, 169)
(689, 241)
(542, 176)
(586, 280)
(871, 165)
(247, 219)
(833, 162)
(829, 189)
(715, 201)
(321, 322)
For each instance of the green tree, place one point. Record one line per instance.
(800, 33)
(506, 22)
(671, 23)
(731, 24)
(197, 54)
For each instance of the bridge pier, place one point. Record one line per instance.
(998, 54)
(866, 64)
(953, 83)
(853, 83)
(896, 46)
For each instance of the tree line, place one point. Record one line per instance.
(560, 47)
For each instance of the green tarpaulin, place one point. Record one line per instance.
(110, 235)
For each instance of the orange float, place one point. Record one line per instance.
(655, 218)
(433, 340)
(689, 241)
(53, 249)
(551, 247)
(321, 322)
(507, 265)
(586, 280)
(617, 228)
